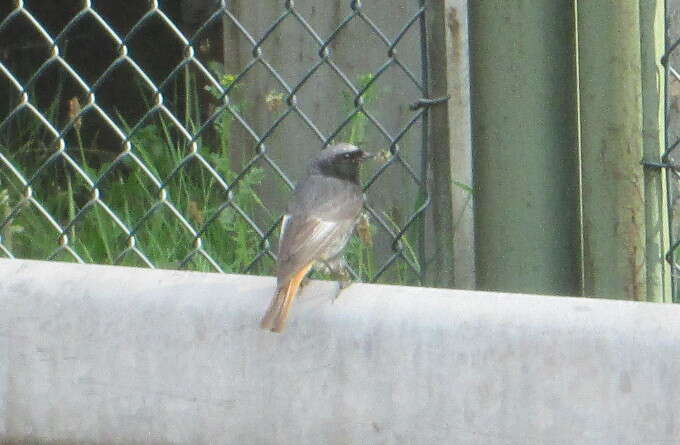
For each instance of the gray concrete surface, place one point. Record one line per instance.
(109, 355)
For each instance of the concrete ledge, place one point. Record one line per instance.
(112, 355)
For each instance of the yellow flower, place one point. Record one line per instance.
(274, 101)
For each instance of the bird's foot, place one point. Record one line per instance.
(344, 281)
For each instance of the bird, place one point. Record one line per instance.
(319, 221)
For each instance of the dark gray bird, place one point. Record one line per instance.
(321, 216)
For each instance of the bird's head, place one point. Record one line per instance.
(341, 161)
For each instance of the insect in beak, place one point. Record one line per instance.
(365, 156)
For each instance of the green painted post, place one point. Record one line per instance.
(652, 17)
(613, 182)
(525, 146)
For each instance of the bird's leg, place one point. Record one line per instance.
(319, 266)
(339, 271)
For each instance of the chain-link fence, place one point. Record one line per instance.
(169, 134)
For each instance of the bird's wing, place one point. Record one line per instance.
(322, 212)
(303, 239)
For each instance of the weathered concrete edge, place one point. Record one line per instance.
(99, 354)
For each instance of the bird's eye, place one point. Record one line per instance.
(347, 156)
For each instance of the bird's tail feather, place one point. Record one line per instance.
(277, 313)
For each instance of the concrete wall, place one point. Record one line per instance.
(107, 355)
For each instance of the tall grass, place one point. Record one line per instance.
(193, 190)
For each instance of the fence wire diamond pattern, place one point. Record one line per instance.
(152, 136)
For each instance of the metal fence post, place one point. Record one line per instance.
(612, 147)
(652, 18)
(525, 139)
(451, 247)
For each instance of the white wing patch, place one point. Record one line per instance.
(321, 231)
(284, 224)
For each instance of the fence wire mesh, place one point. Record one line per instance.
(169, 134)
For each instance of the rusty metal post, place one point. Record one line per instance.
(451, 250)
(614, 225)
(652, 39)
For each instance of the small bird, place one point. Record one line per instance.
(319, 221)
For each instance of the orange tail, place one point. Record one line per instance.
(275, 317)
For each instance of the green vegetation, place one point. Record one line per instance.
(361, 253)
(133, 196)
(191, 196)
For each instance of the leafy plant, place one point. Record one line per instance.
(360, 251)
(191, 194)
(164, 189)
(355, 132)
